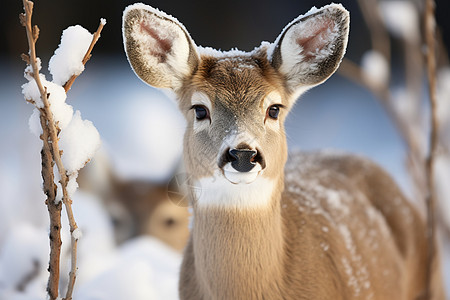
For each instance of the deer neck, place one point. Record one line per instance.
(239, 247)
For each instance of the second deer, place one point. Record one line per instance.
(329, 225)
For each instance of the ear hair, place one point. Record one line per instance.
(310, 48)
(158, 46)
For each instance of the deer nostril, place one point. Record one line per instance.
(242, 159)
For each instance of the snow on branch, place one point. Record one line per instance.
(68, 141)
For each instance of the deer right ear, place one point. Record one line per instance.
(311, 47)
(158, 47)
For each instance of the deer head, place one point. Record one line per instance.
(235, 102)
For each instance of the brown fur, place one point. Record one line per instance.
(336, 226)
(295, 250)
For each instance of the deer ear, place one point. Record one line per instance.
(158, 47)
(311, 47)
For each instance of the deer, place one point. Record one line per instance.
(268, 225)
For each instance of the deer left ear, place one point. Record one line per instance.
(158, 47)
(309, 50)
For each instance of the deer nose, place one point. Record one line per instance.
(242, 160)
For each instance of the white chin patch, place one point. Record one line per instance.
(220, 191)
(237, 177)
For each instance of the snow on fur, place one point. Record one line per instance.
(171, 30)
(67, 60)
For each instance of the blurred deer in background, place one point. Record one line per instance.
(137, 206)
(329, 225)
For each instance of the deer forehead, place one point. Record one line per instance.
(236, 82)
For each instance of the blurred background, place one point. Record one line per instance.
(376, 106)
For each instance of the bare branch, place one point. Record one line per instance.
(430, 24)
(54, 210)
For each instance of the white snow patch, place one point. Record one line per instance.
(67, 60)
(62, 112)
(149, 141)
(24, 253)
(35, 123)
(401, 18)
(79, 142)
(77, 234)
(144, 268)
(72, 185)
(208, 51)
(28, 73)
(443, 97)
(375, 69)
(442, 179)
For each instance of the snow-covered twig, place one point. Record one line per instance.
(88, 55)
(430, 24)
(51, 153)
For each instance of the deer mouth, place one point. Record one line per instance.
(236, 177)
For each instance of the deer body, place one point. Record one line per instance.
(330, 226)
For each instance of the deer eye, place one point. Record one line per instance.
(201, 112)
(273, 111)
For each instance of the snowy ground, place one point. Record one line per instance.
(132, 118)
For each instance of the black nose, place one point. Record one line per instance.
(242, 160)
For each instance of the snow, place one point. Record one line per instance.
(443, 97)
(72, 185)
(442, 175)
(67, 60)
(148, 136)
(401, 18)
(375, 69)
(208, 51)
(138, 265)
(77, 234)
(28, 73)
(79, 142)
(62, 112)
(25, 250)
(34, 123)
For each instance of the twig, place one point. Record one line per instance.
(47, 154)
(54, 210)
(87, 56)
(74, 243)
(378, 33)
(430, 24)
(381, 43)
(50, 137)
(354, 72)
